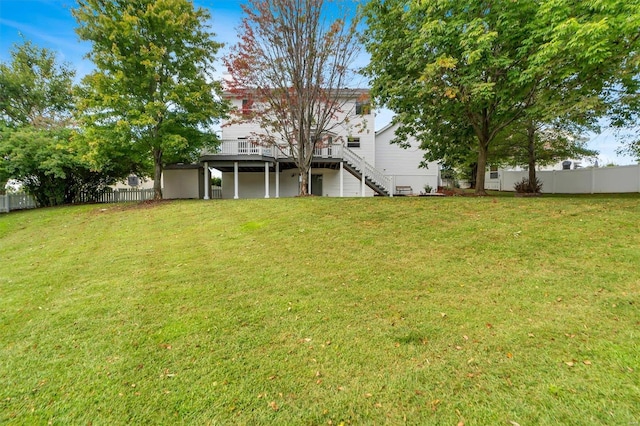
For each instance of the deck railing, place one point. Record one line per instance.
(246, 147)
(367, 169)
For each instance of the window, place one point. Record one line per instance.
(493, 172)
(363, 108)
(133, 180)
(353, 142)
(247, 105)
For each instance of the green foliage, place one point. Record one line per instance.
(453, 71)
(49, 164)
(461, 75)
(526, 187)
(34, 89)
(37, 146)
(153, 97)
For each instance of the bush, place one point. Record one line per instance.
(427, 189)
(524, 187)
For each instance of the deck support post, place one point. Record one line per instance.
(235, 180)
(277, 179)
(266, 179)
(207, 181)
(341, 179)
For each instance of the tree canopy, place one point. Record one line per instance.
(450, 69)
(37, 147)
(153, 97)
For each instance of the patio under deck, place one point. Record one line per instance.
(235, 156)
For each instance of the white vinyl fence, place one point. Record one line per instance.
(594, 180)
(216, 192)
(16, 202)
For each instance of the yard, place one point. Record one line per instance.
(432, 310)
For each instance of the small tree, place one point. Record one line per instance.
(293, 66)
(37, 147)
(153, 95)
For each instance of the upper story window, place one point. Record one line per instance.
(363, 108)
(353, 142)
(247, 106)
(493, 172)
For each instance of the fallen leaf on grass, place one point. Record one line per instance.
(586, 362)
(273, 406)
(569, 363)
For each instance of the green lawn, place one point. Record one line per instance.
(319, 311)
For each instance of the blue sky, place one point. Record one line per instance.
(48, 23)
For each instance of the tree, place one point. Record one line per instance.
(152, 97)
(452, 66)
(449, 66)
(595, 47)
(36, 140)
(293, 66)
(35, 90)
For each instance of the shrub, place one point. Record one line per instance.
(525, 187)
(427, 189)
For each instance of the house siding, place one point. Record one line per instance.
(404, 164)
(251, 184)
(182, 183)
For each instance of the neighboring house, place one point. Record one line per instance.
(133, 182)
(353, 160)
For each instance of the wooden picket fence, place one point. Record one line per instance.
(12, 202)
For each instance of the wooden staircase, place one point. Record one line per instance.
(373, 178)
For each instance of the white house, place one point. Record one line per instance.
(353, 161)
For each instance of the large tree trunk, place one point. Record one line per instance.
(482, 167)
(304, 182)
(531, 139)
(157, 174)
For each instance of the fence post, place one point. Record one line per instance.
(593, 178)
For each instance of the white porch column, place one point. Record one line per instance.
(207, 180)
(235, 180)
(341, 179)
(266, 179)
(277, 180)
(309, 182)
(362, 181)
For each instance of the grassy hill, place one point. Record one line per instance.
(323, 311)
